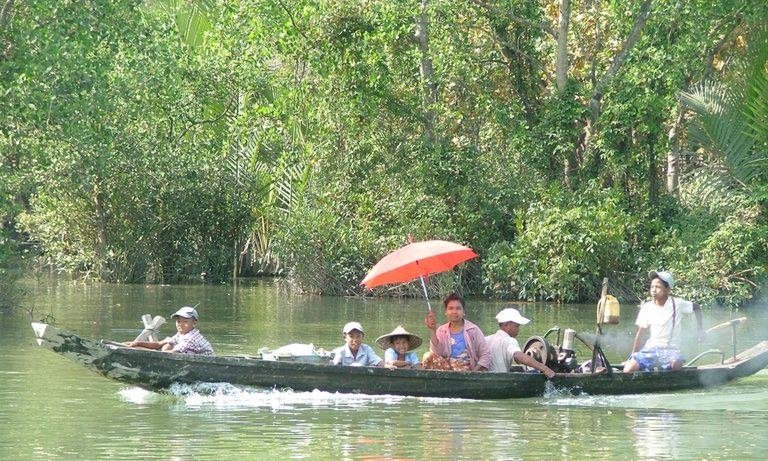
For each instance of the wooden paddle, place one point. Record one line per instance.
(597, 350)
(733, 322)
(601, 304)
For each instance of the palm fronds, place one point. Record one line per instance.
(192, 19)
(756, 104)
(731, 123)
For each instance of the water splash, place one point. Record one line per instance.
(229, 396)
(551, 391)
(138, 396)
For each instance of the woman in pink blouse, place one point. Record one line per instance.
(457, 345)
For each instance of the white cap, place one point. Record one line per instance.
(511, 314)
(663, 275)
(352, 326)
(186, 312)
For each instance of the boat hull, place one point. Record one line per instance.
(158, 370)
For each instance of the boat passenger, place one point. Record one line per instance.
(458, 344)
(354, 352)
(660, 319)
(398, 348)
(505, 350)
(187, 340)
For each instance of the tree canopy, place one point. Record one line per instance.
(565, 141)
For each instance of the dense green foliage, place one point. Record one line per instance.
(565, 251)
(10, 271)
(155, 141)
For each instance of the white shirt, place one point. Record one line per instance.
(659, 321)
(503, 348)
(365, 356)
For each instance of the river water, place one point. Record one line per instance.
(51, 408)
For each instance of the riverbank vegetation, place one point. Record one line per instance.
(565, 141)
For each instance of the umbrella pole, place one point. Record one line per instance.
(424, 287)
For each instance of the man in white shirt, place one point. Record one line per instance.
(505, 350)
(659, 319)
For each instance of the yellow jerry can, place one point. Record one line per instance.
(610, 308)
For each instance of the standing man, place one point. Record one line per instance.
(505, 350)
(659, 319)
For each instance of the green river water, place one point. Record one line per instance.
(51, 408)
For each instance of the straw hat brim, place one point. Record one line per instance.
(384, 341)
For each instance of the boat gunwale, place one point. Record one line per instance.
(157, 370)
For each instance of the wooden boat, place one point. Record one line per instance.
(156, 370)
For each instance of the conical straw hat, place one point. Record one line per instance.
(384, 341)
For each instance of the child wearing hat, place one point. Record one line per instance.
(659, 319)
(187, 340)
(354, 352)
(398, 347)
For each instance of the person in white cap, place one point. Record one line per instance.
(187, 340)
(354, 352)
(659, 319)
(505, 350)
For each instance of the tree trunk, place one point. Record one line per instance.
(653, 182)
(236, 262)
(101, 234)
(561, 76)
(429, 97)
(673, 157)
(561, 60)
(5, 12)
(595, 102)
(516, 63)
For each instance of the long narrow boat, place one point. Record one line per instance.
(156, 370)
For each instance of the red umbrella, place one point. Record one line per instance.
(417, 260)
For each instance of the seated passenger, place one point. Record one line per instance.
(398, 347)
(187, 340)
(354, 352)
(457, 345)
(505, 350)
(660, 319)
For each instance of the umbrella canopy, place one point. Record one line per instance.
(415, 260)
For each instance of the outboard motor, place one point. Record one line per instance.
(566, 355)
(560, 358)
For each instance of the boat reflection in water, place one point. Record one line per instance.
(656, 434)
